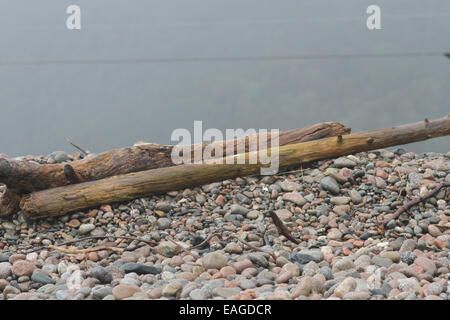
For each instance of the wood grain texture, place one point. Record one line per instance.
(25, 176)
(58, 201)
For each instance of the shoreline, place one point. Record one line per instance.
(333, 208)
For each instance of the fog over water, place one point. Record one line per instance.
(101, 106)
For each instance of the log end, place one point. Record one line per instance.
(9, 203)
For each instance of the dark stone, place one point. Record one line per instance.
(408, 257)
(139, 268)
(326, 272)
(300, 258)
(5, 258)
(199, 239)
(101, 274)
(383, 291)
(41, 277)
(346, 217)
(242, 198)
(358, 173)
(366, 235)
(391, 224)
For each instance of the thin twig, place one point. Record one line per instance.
(208, 238)
(253, 247)
(150, 243)
(414, 202)
(86, 153)
(282, 228)
(78, 251)
(178, 245)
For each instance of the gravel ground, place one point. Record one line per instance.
(333, 208)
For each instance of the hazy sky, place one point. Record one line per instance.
(103, 106)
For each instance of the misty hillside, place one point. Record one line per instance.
(102, 106)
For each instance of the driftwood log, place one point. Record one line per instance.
(22, 177)
(58, 201)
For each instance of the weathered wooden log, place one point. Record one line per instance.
(61, 200)
(25, 176)
(9, 202)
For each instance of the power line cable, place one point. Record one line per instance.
(232, 22)
(222, 59)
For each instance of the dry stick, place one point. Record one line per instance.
(282, 228)
(414, 202)
(150, 243)
(178, 245)
(253, 247)
(86, 153)
(208, 238)
(78, 251)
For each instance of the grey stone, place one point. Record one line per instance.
(254, 214)
(315, 253)
(59, 156)
(258, 259)
(5, 258)
(200, 294)
(310, 269)
(163, 206)
(327, 273)
(247, 284)
(287, 185)
(139, 268)
(355, 196)
(300, 258)
(381, 262)
(163, 223)
(41, 277)
(343, 264)
(343, 162)
(101, 274)
(408, 245)
(329, 184)
(100, 292)
(415, 179)
(242, 198)
(62, 294)
(214, 260)
(408, 257)
(86, 228)
(5, 270)
(237, 209)
(226, 292)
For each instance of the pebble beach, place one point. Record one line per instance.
(191, 248)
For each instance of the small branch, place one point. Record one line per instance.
(407, 206)
(208, 238)
(150, 243)
(86, 153)
(178, 245)
(282, 228)
(254, 248)
(78, 251)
